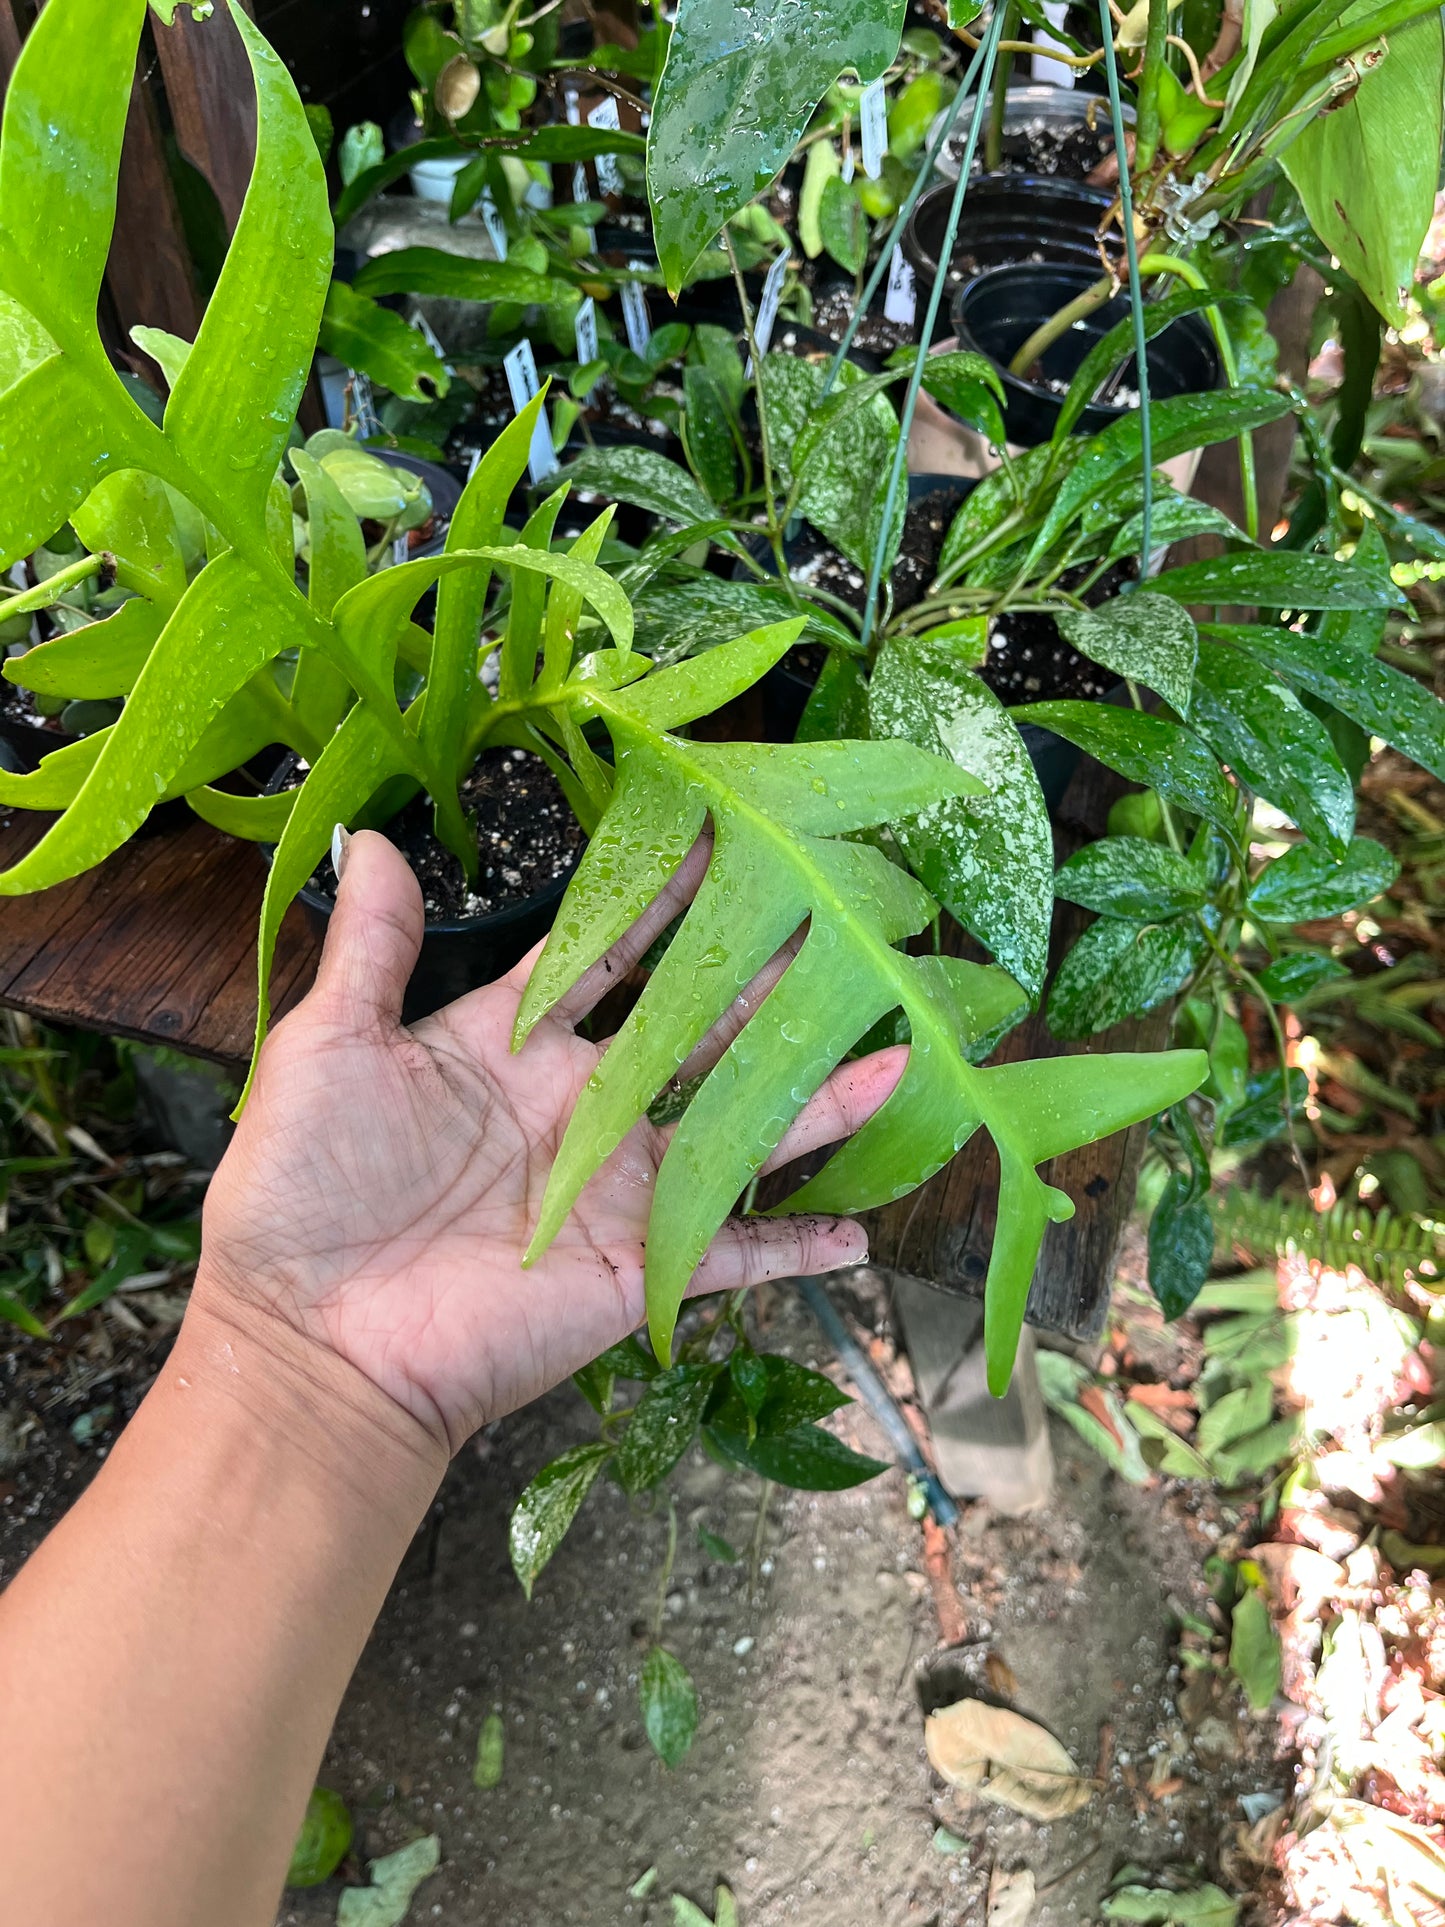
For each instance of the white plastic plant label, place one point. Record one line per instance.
(521, 367)
(586, 331)
(634, 316)
(429, 335)
(873, 127)
(900, 300)
(400, 550)
(496, 227)
(850, 163)
(363, 406)
(768, 307)
(572, 102)
(609, 174)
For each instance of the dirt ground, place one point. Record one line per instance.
(807, 1789)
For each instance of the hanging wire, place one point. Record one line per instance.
(1136, 297)
(985, 58)
(900, 220)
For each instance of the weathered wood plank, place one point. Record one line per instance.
(158, 943)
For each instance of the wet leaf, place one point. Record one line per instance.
(1147, 749)
(807, 1458)
(1128, 876)
(739, 87)
(642, 477)
(394, 1881)
(460, 277)
(1145, 637)
(378, 342)
(323, 1841)
(987, 858)
(1291, 978)
(997, 1755)
(1307, 883)
(1118, 969)
(1254, 722)
(542, 1515)
(1279, 579)
(669, 1705)
(1259, 1118)
(664, 1423)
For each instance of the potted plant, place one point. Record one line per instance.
(778, 814)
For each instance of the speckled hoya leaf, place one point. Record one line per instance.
(988, 858)
(842, 473)
(780, 816)
(1146, 638)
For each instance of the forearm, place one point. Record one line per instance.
(172, 1657)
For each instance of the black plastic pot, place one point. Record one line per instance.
(1005, 219)
(456, 955)
(995, 314)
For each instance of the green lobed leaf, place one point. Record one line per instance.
(57, 446)
(1258, 726)
(738, 88)
(1280, 579)
(1128, 876)
(1117, 970)
(987, 858)
(233, 404)
(102, 659)
(1308, 883)
(461, 277)
(669, 1705)
(378, 342)
(1380, 699)
(547, 1508)
(1162, 755)
(1145, 637)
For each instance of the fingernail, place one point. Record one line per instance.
(852, 1245)
(340, 844)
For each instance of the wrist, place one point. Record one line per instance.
(244, 1362)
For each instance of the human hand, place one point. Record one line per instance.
(383, 1182)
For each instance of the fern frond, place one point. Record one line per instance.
(1387, 1246)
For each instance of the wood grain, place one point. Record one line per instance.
(158, 943)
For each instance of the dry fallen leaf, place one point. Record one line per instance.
(998, 1755)
(1010, 1898)
(1000, 1676)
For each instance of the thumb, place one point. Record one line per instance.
(374, 936)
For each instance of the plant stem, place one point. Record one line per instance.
(1048, 332)
(666, 1579)
(1146, 123)
(998, 94)
(775, 532)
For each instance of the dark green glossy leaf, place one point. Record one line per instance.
(749, 1375)
(1145, 637)
(643, 477)
(1279, 580)
(969, 386)
(841, 472)
(1307, 882)
(987, 858)
(364, 335)
(630, 1359)
(777, 1393)
(708, 433)
(595, 1383)
(664, 1423)
(550, 1503)
(1126, 876)
(1173, 518)
(808, 1458)
(843, 224)
(676, 619)
(1258, 726)
(1181, 1245)
(669, 1705)
(1117, 970)
(838, 705)
(1381, 700)
(1291, 978)
(739, 87)
(1259, 1118)
(1147, 749)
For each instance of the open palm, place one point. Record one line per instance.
(384, 1181)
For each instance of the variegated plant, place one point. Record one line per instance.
(215, 667)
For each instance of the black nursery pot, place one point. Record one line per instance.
(996, 313)
(457, 954)
(1005, 219)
